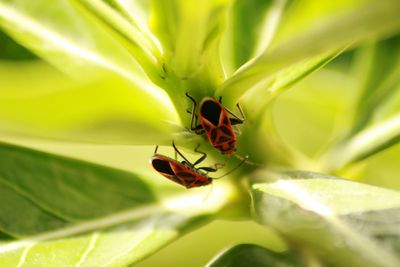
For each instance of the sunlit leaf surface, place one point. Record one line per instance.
(346, 28)
(69, 41)
(115, 73)
(343, 222)
(102, 110)
(247, 255)
(87, 214)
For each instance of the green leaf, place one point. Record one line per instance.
(378, 84)
(71, 189)
(251, 28)
(265, 118)
(366, 143)
(248, 255)
(380, 170)
(10, 50)
(64, 212)
(370, 20)
(69, 41)
(263, 94)
(343, 222)
(375, 123)
(314, 109)
(140, 45)
(38, 221)
(120, 245)
(300, 16)
(137, 12)
(60, 109)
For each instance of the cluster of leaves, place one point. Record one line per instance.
(132, 62)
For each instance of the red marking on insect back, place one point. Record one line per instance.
(186, 173)
(215, 121)
(178, 172)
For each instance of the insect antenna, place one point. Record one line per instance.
(249, 161)
(179, 153)
(155, 150)
(234, 169)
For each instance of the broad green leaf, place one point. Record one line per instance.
(314, 109)
(97, 111)
(37, 220)
(251, 27)
(10, 50)
(26, 78)
(389, 107)
(373, 124)
(370, 20)
(141, 46)
(377, 84)
(343, 222)
(248, 255)
(364, 144)
(69, 41)
(70, 189)
(279, 129)
(120, 245)
(299, 16)
(138, 13)
(64, 212)
(263, 94)
(264, 119)
(381, 170)
(220, 232)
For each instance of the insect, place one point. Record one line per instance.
(215, 122)
(186, 173)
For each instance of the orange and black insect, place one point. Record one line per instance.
(216, 123)
(186, 173)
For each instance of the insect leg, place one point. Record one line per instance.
(236, 120)
(234, 169)
(216, 167)
(180, 154)
(208, 169)
(193, 123)
(241, 111)
(204, 155)
(197, 129)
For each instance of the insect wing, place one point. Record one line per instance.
(177, 172)
(216, 123)
(183, 174)
(165, 166)
(190, 178)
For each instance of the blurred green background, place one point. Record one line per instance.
(22, 73)
(28, 116)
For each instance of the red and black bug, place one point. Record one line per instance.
(216, 123)
(186, 173)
